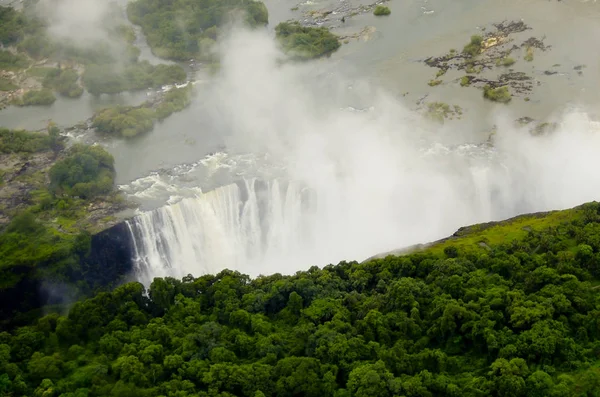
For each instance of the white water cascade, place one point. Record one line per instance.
(236, 227)
(278, 226)
(356, 206)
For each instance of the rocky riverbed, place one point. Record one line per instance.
(492, 51)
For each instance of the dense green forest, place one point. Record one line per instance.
(508, 309)
(184, 29)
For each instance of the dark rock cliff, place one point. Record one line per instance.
(110, 257)
(33, 293)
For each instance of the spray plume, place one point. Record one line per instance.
(357, 183)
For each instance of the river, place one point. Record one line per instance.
(392, 60)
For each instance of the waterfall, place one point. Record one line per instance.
(275, 226)
(251, 227)
(349, 211)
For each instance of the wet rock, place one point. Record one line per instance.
(494, 51)
(524, 120)
(519, 82)
(505, 28)
(334, 18)
(579, 69)
(440, 111)
(533, 42)
(366, 34)
(544, 128)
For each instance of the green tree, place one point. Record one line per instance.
(86, 172)
(370, 380)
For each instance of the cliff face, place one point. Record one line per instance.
(107, 263)
(109, 260)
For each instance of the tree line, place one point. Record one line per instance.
(476, 315)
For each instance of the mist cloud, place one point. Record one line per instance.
(380, 177)
(81, 22)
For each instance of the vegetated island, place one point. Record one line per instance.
(381, 10)
(494, 49)
(183, 30)
(440, 111)
(498, 309)
(131, 121)
(34, 65)
(305, 42)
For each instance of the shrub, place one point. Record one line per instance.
(129, 121)
(505, 61)
(529, 54)
(64, 81)
(175, 100)
(86, 172)
(7, 85)
(61, 80)
(43, 97)
(303, 42)
(500, 94)
(15, 24)
(23, 141)
(474, 47)
(100, 79)
(10, 61)
(126, 121)
(38, 46)
(440, 111)
(381, 10)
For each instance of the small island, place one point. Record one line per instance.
(381, 10)
(302, 42)
(180, 30)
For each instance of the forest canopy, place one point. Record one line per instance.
(480, 314)
(184, 29)
(86, 171)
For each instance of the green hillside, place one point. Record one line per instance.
(503, 309)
